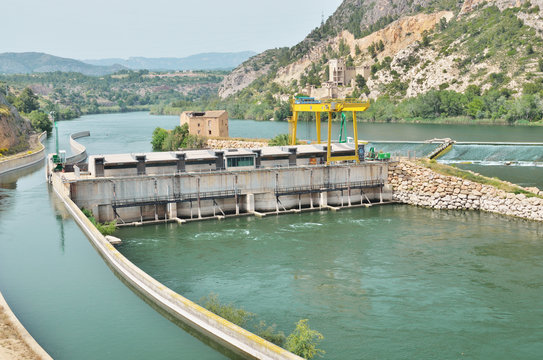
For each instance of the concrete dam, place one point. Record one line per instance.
(177, 186)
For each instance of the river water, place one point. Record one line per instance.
(383, 282)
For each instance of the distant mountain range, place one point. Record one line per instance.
(33, 62)
(204, 61)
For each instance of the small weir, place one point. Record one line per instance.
(519, 154)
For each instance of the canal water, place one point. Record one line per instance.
(464, 284)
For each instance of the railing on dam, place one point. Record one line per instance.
(176, 198)
(289, 190)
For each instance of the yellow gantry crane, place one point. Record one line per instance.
(309, 104)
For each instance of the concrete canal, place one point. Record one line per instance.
(377, 282)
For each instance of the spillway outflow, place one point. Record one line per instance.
(495, 154)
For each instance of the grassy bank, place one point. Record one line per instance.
(474, 177)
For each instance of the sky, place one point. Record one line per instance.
(95, 29)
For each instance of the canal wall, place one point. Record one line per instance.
(79, 151)
(213, 193)
(417, 185)
(222, 331)
(17, 343)
(25, 159)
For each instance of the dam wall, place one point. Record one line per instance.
(26, 158)
(417, 185)
(196, 195)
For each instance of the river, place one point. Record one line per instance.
(389, 285)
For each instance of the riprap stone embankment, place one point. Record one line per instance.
(417, 185)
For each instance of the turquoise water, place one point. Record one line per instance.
(77, 309)
(380, 283)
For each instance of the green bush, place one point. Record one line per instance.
(280, 140)
(107, 228)
(303, 341)
(228, 312)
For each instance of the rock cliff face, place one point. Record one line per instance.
(416, 185)
(14, 130)
(399, 30)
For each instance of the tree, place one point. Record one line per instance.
(303, 341)
(360, 81)
(159, 135)
(540, 65)
(40, 121)
(475, 107)
(27, 101)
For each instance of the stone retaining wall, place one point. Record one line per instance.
(417, 185)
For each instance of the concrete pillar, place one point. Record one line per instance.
(99, 167)
(250, 202)
(171, 209)
(258, 153)
(141, 164)
(180, 162)
(361, 153)
(323, 199)
(219, 165)
(292, 156)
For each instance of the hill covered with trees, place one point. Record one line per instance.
(429, 61)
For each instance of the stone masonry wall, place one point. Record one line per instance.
(417, 185)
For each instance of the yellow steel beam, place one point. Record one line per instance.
(330, 106)
(335, 105)
(355, 134)
(318, 116)
(342, 158)
(295, 121)
(329, 148)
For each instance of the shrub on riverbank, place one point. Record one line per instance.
(302, 341)
(107, 228)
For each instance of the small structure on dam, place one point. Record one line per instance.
(172, 186)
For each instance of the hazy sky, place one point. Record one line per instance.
(95, 29)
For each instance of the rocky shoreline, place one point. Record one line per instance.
(414, 184)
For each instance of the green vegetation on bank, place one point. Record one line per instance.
(178, 138)
(28, 106)
(107, 228)
(492, 106)
(71, 95)
(303, 341)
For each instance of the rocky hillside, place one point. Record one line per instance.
(411, 47)
(14, 130)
